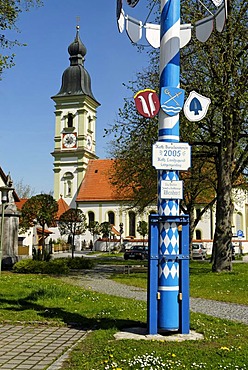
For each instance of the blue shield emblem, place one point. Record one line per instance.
(171, 100)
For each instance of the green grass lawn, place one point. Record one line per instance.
(226, 287)
(43, 299)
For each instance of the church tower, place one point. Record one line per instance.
(75, 125)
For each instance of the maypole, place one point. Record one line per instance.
(168, 268)
(168, 279)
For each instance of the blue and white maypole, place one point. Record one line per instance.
(168, 276)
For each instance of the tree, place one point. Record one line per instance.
(143, 229)
(105, 229)
(40, 209)
(217, 69)
(9, 13)
(72, 223)
(94, 228)
(23, 190)
(132, 148)
(220, 72)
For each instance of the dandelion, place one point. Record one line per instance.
(225, 348)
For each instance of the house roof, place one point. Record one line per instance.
(20, 203)
(63, 207)
(96, 185)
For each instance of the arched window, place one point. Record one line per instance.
(198, 212)
(198, 234)
(70, 120)
(239, 221)
(111, 218)
(91, 217)
(67, 178)
(132, 223)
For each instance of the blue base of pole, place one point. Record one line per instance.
(156, 299)
(170, 318)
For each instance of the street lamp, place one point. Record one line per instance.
(5, 199)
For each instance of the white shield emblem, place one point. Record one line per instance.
(196, 106)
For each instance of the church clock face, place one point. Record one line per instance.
(69, 140)
(89, 142)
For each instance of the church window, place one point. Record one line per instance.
(70, 120)
(91, 217)
(198, 234)
(132, 223)
(68, 188)
(68, 177)
(198, 212)
(111, 218)
(90, 119)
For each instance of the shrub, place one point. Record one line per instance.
(41, 267)
(29, 267)
(80, 263)
(56, 267)
(59, 266)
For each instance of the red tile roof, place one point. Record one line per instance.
(96, 185)
(63, 207)
(21, 203)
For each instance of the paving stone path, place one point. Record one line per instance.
(35, 347)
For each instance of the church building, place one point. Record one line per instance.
(80, 178)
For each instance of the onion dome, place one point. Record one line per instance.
(76, 80)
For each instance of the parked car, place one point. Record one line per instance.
(137, 252)
(199, 251)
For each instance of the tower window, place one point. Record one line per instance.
(68, 177)
(70, 120)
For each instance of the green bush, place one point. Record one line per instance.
(56, 267)
(80, 263)
(28, 266)
(59, 266)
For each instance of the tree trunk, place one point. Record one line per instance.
(221, 257)
(72, 245)
(43, 242)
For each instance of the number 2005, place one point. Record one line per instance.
(172, 153)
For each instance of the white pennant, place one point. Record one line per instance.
(185, 34)
(121, 21)
(220, 17)
(204, 28)
(217, 2)
(134, 29)
(153, 34)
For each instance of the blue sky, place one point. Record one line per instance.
(27, 110)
